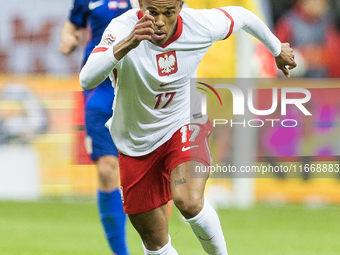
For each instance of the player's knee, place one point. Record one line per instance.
(107, 166)
(189, 206)
(108, 172)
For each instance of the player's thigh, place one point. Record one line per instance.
(187, 149)
(152, 226)
(187, 192)
(98, 138)
(145, 185)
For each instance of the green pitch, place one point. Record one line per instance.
(60, 228)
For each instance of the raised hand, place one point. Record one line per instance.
(70, 38)
(143, 30)
(68, 44)
(285, 59)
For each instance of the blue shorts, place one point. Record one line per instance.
(98, 139)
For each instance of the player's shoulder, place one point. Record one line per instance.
(200, 19)
(190, 14)
(128, 18)
(199, 16)
(81, 3)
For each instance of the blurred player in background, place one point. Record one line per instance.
(310, 28)
(154, 52)
(98, 109)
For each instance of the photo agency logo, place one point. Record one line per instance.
(209, 93)
(241, 100)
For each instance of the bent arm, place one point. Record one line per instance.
(253, 25)
(249, 22)
(102, 61)
(116, 43)
(98, 67)
(70, 38)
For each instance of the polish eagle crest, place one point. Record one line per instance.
(167, 63)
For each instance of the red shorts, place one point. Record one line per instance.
(145, 180)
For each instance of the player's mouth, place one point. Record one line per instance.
(159, 35)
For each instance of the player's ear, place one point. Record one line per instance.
(181, 5)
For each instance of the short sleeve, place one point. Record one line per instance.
(79, 13)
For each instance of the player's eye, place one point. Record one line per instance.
(168, 13)
(153, 13)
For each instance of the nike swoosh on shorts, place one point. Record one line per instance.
(188, 148)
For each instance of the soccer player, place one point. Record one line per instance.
(150, 56)
(98, 109)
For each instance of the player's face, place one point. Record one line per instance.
(165, 13)
(316, 8)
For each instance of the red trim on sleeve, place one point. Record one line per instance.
(232, 22)
(99, 49)
(177, 34)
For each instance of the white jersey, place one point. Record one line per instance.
(152, 83)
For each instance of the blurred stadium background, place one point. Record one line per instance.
(47, 181)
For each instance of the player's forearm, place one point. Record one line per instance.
(97, 68)
(142, 31)
(253, 25)
(122, 48)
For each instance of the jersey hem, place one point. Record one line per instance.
(156, 145)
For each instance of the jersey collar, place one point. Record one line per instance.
(177, 34)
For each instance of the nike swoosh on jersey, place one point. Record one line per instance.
(188, 148)
(164, 84)
(94, 5)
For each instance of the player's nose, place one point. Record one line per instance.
(160, 21)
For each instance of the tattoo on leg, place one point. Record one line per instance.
(180, 181)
